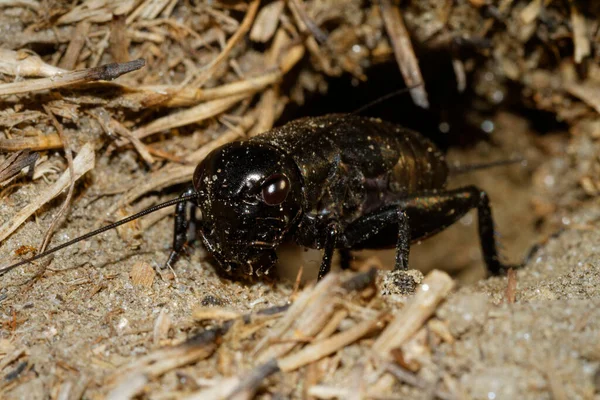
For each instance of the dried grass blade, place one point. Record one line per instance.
(25, 64)
(404, 52)
(81, 164)
(192, 115)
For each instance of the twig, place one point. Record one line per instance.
(434, 288)
(179, 97)
(510, 293)
(69, 60)
(39, 142)
(335, 392)
(301, 311)
(81, 164)
(69, 156)
(104, 72)
(403, 50)
(306, 317)
(266, 105)
(34, 5)
(110, 125)
(328, 346)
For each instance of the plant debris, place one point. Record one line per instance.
(107, 107)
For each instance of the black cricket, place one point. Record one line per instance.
(339, 181)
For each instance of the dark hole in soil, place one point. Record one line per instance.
(453, 119)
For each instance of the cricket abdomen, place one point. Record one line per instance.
(352, 165)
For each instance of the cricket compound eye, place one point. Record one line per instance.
(275, 189)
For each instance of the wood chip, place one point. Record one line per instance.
(266, 22)
(580, 38)
(531, 11)
(305, 318)
(162, 326)
(10, 119)
(81, 164)
(589, 92)
(69, 155)
(142, 274)
(434, 288)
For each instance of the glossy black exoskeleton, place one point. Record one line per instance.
(334, 182)
(341, 182)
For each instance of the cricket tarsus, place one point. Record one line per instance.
(103, 229)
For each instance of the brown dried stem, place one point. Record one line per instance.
(403, 50)
(69, 156)
(104, 72)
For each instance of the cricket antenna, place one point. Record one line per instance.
(463, 169)
(386, 97)
(103, 229)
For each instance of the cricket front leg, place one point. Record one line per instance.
(180, 229)
(437, 211)
(332, 233)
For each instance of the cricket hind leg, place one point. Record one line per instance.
(424, 215)
(180, 231)
(463, 200)
(332, 234)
